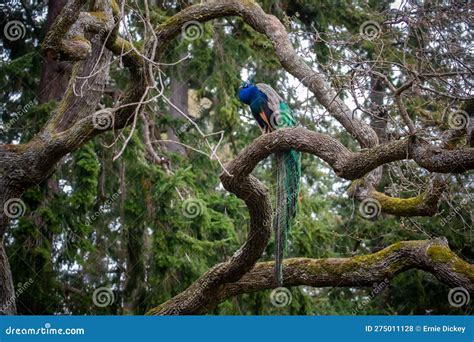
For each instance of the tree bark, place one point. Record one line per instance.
(433, 256)
(7, 291)
(55, 74)
(179, 97)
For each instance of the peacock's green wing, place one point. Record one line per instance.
(286, 116)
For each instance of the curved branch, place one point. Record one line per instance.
(53, 42)
(353, 165)
(204, 293)
(271, 27)
(425, 204)
(433, 256)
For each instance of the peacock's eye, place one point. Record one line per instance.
(245, 84)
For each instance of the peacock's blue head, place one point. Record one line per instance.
(247, 93)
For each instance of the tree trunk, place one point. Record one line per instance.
(379, 122)
(7, 291)
(179, 97)
(55, 74)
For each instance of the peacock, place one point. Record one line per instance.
(271, 113)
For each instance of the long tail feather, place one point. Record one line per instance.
(287, 189)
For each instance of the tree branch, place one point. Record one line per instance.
(270, 26)
(204, 292)
(433, 256)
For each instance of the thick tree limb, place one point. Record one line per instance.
(7, 290)
(425, 204)
(433, 256)
(202, 292)
(29, 162)
(54, 40)
(353, 165)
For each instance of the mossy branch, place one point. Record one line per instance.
(425, 204)
(433, 256)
